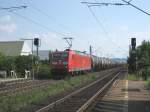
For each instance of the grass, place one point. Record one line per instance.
(20, 100)
(148, 82)
(132, 77)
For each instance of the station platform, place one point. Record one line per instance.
(139, 97)
(125, 96)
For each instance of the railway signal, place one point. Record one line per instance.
(36, 41)
(133, 43)
(133, 58)
(90, 50)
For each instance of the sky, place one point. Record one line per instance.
(52, 20)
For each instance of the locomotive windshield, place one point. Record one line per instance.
(60, 56)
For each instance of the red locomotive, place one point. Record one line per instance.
(69, 62)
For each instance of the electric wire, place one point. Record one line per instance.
(38, 24)
(102, 27)
(48, 16)
(128, 2)
(11, 10)
(31, 20)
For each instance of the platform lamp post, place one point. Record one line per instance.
(30, 39)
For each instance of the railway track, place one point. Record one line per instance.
(16, 86)
(10, 88)
(112, 100)
(79, 100)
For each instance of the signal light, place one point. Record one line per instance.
(36, 41)
(133, 42)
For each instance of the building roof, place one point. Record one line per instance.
(11, 48)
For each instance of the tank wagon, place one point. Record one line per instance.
(71, 62)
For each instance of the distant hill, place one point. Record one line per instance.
(120, 59)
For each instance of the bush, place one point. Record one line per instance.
(148, 82)
(23, 63)
(7, 63)
(44, 72)
(133, 77)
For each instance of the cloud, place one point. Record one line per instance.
(7, 25)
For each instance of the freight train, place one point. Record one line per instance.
(71, 62)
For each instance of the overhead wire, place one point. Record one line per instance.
(102, 27)
(37, 23)
(129, 3)
(34, 21)
(48, 16)
(31, 20)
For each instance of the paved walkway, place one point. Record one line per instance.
(115, 100)
(125, 96)
(139, 97)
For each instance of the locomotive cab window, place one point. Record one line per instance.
(60, 56)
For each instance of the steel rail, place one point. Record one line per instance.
(51, 105)
(23, 88)
(85, 106)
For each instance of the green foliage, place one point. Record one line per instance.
(142, 60)
(143, 54)
(45, 62)
(44, 72)
(132, 77)
(148, 82)
(7, 63)
(18, 63)
(15, 103)
(23, 63)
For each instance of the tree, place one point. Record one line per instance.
(23, 63)
(142, 59)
